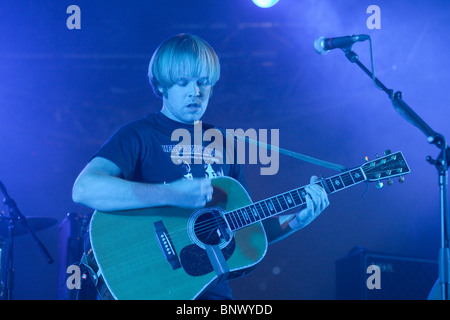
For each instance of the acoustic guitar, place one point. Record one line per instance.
(175, 253)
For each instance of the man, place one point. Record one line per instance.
(134, 168)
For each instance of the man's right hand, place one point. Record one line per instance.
(191, 193)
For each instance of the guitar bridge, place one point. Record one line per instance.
(166, 246)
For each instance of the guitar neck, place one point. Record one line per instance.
(283, 202)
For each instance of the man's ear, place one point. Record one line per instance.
(162, 91)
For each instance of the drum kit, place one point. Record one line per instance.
(13, 225)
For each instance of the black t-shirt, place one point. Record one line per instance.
(144, 152)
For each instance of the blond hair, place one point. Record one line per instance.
(182, 56)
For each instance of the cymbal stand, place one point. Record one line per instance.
(7, 267)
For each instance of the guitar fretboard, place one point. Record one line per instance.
(283, 202)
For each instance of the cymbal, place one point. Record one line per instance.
(35, 223)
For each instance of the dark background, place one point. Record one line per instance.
(64, 92)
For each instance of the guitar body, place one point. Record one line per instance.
(175, 253)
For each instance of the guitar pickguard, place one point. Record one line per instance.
(195, 260)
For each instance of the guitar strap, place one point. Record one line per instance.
(289, 153)
(287, 219)
(218, 262)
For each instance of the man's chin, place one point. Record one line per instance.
(193, 117)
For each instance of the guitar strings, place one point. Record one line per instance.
(220, 222)
(245, 219)
(206, 225)
(201, 228)
(211, 224)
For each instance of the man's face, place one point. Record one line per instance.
(186, 101)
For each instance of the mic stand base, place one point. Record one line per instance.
(7, 267)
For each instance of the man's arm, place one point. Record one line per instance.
(100, 186)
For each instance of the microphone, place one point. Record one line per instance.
(323, 45)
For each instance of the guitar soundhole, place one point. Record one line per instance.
(210, 228)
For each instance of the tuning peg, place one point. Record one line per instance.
(379, 185)
(377, 155)
(366, 158)
(387, 152)
(401, 179)
(390, 182)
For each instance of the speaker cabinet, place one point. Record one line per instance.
(396, 278)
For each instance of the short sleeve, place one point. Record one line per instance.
(124, 149)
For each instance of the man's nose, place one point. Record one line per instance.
(194, 89)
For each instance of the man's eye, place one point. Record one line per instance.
(203, 82)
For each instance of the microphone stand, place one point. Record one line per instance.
(7, 268)
(441, 164)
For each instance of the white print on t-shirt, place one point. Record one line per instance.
(193, 153)
(188, 174)
(209, 171)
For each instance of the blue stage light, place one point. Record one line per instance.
(265, 3)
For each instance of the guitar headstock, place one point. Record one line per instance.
(387, 167)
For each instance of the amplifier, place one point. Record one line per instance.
(362, 275)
